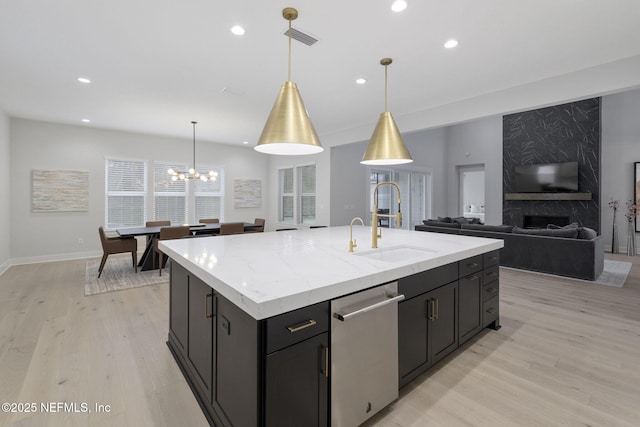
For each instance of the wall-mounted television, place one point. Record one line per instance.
(547, 178)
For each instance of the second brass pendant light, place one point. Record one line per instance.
(386, 146)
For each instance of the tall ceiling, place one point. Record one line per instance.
(155, 65)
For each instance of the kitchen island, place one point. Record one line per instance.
(250, 314)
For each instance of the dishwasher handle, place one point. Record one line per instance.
(390, 299)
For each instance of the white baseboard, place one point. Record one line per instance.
(55, 257)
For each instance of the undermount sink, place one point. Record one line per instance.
(395, 253)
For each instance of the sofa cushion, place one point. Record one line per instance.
(564, 227)
(587, 233)
(483, 227)
(570, 233)
(443, 219)
(434, 223)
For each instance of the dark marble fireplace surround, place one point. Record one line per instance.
(562, 133)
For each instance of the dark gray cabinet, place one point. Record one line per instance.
(427, 330)
(445, 307)
(246, 372)
(297, 384)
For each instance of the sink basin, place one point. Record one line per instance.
(395, 253)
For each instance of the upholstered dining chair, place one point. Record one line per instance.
(167, 233)
(156, 224)
(259, 221)
(116, 245)
(227, 228)
(209, 221)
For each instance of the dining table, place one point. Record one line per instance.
(196, 230)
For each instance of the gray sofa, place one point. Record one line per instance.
(575, 252)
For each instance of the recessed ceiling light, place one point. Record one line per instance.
(451, 43)
(361, 80)
(84, 80)
(86, 121)
(237, 30)
(245, 142)
(399, 5)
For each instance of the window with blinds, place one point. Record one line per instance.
(209, 196)
(125, 193)
(307, 194)
(169, 197)
(297, 195)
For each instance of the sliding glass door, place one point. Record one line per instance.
(414, 191)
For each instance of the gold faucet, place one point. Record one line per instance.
(352, 241)
(376, 233)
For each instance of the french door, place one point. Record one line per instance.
(415, 196)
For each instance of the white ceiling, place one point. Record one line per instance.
(155, 65)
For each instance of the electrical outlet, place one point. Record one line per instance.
(80, 240)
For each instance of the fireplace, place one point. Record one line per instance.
(541, 221)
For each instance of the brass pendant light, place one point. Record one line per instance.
(386, 146)
(289, 130)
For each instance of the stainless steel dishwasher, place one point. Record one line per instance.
(364, 354)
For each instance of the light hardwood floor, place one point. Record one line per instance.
(568, 353)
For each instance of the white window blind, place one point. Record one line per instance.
(286, 196)
(307, 194)
(209, 196)
(125, 193)
(169, 197)
(297, 195)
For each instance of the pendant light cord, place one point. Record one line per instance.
(194, 145)
(385, 88)
(289, 64)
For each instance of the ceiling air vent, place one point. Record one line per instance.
(301, 37)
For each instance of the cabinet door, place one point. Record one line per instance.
(236, 364)
(297, 384)
(469, 307)
(179, 307)
(200, 347)
(412, 335)
(443, 329)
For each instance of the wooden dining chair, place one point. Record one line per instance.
(227, 228)
(260, 222)
(162, 223)
(167, 233)
(209, 221)
(116, 245)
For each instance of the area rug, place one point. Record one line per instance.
(118, 274)
(614, 273)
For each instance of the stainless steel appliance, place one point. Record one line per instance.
(364, 354)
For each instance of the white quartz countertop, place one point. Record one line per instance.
(270, 273)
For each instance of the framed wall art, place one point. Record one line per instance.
(636, 189)
(59, 191)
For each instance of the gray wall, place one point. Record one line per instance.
(5, 192)
(349, 179)
(476, 143)
(620, 149)
(41, 145)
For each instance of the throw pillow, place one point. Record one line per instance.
(444, 219)
(565, 227)
(586, 233)
(483, 227)
(570, 233)
(434, 223)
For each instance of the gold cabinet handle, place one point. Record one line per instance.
(437, 309)
(491, 310)
(492, 290)
(301, 326)
(207, 315)
(474, 277)
(326, 360)
(472, 264)
(492, 274)
(431, 310)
